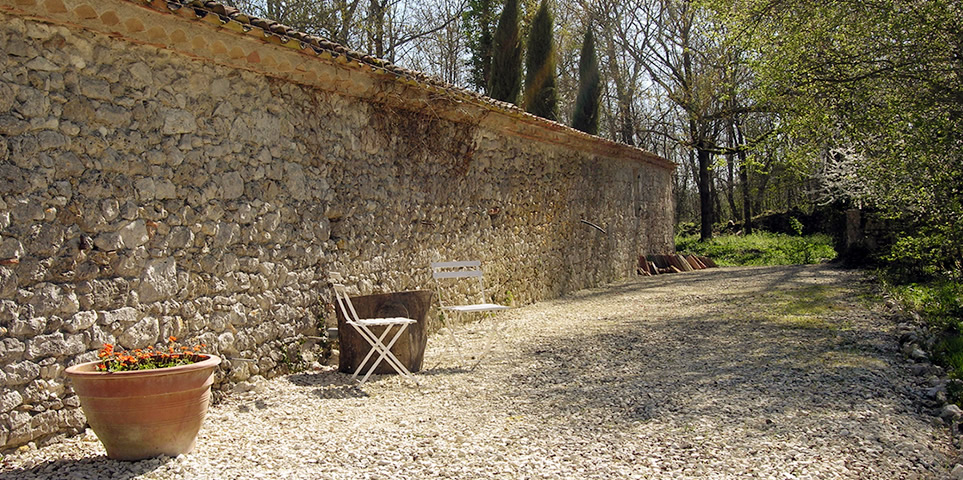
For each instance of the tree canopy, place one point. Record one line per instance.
(874, 90)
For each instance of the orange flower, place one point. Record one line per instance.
(120, 360)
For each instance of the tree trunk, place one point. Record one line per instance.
(623, 98)
(705, 195)
(744, 183)
(377, 26)
(730, 186)
(746, 199)
(410, 347)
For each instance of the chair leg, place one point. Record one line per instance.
(489, 340)
(450, 326)
(385, 354)
(373, 342)
(393, 360)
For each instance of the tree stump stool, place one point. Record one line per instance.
(410, 347)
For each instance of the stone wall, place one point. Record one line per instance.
(147, 193)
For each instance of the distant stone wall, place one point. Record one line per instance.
(145, 193)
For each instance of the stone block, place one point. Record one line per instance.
(180, 237)
(134, 234)
(226, 344)
(124, 317)
(21, 373)
(50, 299)
(28, 210)
(42, 64)
(95, 337)
(164, 189)
(17, 419)
(159, 281)
(8, 282)
(73, 417)
(294, 181)
(114, 116)
(9, 400)
(231, 185)
(141, 74)
(49, 139)
(226, 234)
(94, 88)
(11, 350)
(43, 346)
(142, 334)
(46, 240)
(109, 209)
(45, 423)
(178, 121)
(80, 321)
(109, 241)
(28, 327)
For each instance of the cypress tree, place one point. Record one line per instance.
(541, 96)
(479, 22)
(506, 75)
(586, 116)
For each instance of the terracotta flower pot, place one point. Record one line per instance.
(145, 413)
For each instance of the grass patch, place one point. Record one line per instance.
(804, 322)
(851, 359)
(806, 308)
(811, 300)
(760, 249)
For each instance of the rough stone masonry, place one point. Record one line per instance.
(150, 187)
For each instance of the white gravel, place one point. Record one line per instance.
(772, 372)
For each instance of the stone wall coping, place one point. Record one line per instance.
(223, 35)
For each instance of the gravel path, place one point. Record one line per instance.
(771, 372)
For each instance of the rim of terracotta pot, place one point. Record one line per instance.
(89, 369)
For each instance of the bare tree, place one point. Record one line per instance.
(674, 41)
(389, 29)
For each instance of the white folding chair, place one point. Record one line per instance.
(476, 302)
(363, 327)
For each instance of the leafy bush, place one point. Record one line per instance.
(926, 255)
(940, 305)
(760, 249)
(939, 302)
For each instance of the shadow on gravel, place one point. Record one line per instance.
(741, 363)
(332, 384)
(105, 468)
(439, 371)
(788, 275)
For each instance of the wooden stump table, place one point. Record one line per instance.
(410, 347)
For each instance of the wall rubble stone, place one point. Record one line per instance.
(145, 193)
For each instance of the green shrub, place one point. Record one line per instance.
(940, 305)
(760, 249)
(939, 302)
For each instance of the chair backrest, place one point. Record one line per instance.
(344, 302)
(458, 270)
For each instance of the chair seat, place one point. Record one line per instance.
(478, 307)
(387, 321)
